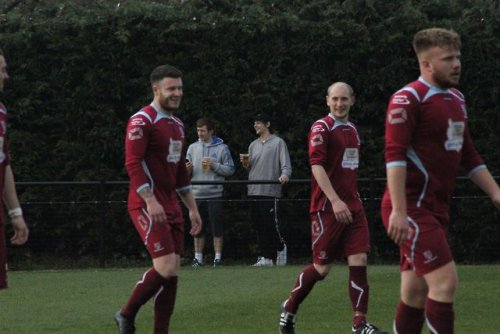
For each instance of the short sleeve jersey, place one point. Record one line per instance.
(335, 145)
(154, 157)
(426, 131)
(4, 154)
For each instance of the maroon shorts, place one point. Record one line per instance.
(160, 238)
(333, 240)
(427, 248)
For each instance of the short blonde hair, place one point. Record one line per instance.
(432, 37)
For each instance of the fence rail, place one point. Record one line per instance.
(86, 223)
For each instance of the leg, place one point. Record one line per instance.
(303, 286)
(164, 300)
(3, 257)
(356, 243)
(165, 243)
(199, 245)
(358, 287)
(410, 311)
(263, 222)
(281, 249)
(199, 240)
(217, 225)
(218, 242)
(439, 312)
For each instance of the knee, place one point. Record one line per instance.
(444, 290)
(357, 260)
(167, 266)
(415, 295)
(323, 269)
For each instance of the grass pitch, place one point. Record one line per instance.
(226, 300)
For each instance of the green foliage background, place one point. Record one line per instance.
(79, 69)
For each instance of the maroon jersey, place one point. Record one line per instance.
(154, 157)
(426, 131)
(334, 145)
(4, 155)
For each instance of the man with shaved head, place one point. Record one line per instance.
(339, 228)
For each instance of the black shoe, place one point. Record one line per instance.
(196, 263)
(126, 326)
(287, 321)
(367, 328)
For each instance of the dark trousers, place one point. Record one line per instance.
(264, 215)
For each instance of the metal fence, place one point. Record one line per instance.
(86, 224)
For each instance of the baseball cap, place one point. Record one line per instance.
(262, 118)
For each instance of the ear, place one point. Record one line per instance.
(155, 88)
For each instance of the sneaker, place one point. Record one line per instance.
(217, 263)
(287, 321)
(125, 326)
(281, 257)
(367, 328)
(196, 263)
(263, 262)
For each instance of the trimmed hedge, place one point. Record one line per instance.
(79, 69)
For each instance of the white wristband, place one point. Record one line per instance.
(16, 212)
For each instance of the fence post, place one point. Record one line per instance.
(371, 208)
(102, 206)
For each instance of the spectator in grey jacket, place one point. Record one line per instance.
(209, 159)
(268, 160)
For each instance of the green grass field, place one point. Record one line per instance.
(232, 299)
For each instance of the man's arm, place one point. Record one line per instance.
(398, 221)
(286, 164)
(21, 231)
(187, 198)
(226, 165)
(153, 207)
(483, 179)
(340, 209)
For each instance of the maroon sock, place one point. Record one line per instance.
(440, 316)
(409, 320)
(304, 284)
(145, 288)
(359, 290)
(164, 303)
(358, 320)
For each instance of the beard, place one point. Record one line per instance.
(446, 82)
(169, 105)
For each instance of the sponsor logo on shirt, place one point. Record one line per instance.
(137, 121)
(350, 159)
(400, 99)
(397, 116)
(174, 151)
(317, 128)
(135, 134)
(316, 140)
(455, 134)
(322, 255)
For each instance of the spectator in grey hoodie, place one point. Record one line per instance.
(269, 160)
(209, 159)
